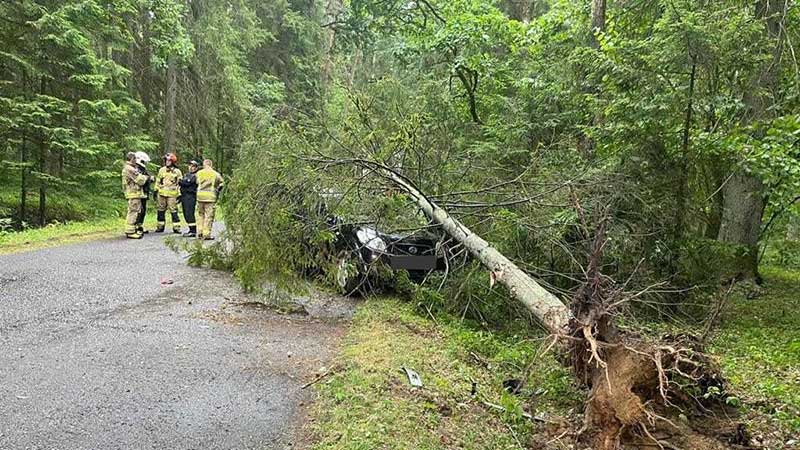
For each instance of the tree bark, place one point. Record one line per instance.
(169, 106)
(743, 205)
(332, 11)
(598, 20)
(743, 194)
(42, 168)
(546, 307)
(683, 172)
(23, 181)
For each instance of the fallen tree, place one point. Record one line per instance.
(628, 377)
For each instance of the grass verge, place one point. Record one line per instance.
(56, 234)
(59, 234)
(370, 404)
(759, 347)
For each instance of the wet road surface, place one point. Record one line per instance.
(118, 344)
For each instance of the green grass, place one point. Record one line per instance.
(759, 347)
(369, 404)
(58, 234)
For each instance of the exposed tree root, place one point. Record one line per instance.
(630, 378)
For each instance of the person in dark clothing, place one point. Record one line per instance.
(188, 184)
(142, 159)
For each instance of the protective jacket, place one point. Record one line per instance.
(167, 181)
(148, 185)
(209, 183)
(188, 185)
(132, 181)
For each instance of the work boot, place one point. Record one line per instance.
(136, 235)
(176, 230)
(189, 234)
(160, 229)
(208, 238)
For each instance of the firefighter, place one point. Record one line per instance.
(142, 159)
(132, 182)
(168, 192)
(209, 185)
(189, 197)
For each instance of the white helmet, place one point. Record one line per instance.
(142, 158)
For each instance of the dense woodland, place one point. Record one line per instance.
(646, 148)
(84, 82)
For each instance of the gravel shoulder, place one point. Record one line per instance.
(118, 344)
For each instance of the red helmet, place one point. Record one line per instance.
(171, 157)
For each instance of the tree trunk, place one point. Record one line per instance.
(598, 20)
(743, 194)
(23, 181)
(743, 206)
(219, 139)
(42, 167)
(793, 229)
(169, 106)
(332, 11)
(683, 165)
(42, 182)
(549, 310)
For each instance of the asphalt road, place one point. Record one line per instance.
(99, 351)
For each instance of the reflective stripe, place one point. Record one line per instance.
(205, 195)
(167, 182)
(168, 192)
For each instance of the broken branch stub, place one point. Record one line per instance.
(551, 311)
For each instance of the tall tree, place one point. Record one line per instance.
(743, 193)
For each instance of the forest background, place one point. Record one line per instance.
(676, 124)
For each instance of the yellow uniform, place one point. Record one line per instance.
(132, 183)
(168, 192)
(209, 183)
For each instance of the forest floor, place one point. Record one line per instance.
(119, 344)
(369, 403)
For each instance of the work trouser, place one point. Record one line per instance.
(171, 204)
(141, 216)
(189, 202)
(134, 207)
(205, 216)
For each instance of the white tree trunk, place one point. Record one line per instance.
(553, 313)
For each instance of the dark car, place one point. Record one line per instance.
(360, 253)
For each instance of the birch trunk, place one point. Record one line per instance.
(552, 313)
